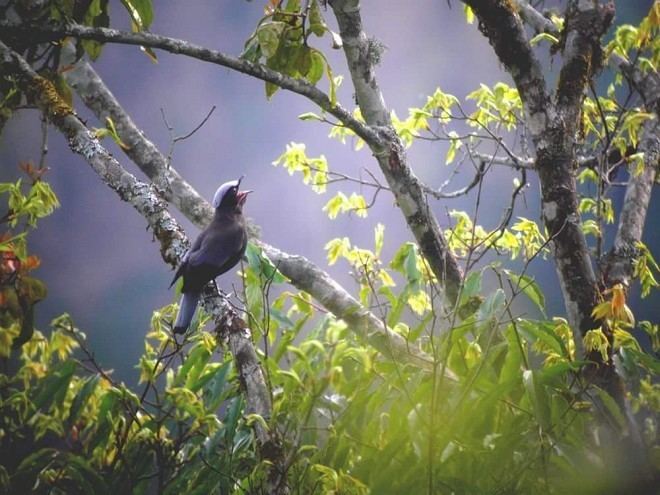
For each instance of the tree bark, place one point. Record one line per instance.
(619, 262)
(553, 125)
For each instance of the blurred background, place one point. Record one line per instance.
(100, 263)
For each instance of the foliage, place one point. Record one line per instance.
(505, 405)
(281, 42)
(353, 421)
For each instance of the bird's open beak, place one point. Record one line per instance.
(242, 196)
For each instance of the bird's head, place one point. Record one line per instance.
(229, 196)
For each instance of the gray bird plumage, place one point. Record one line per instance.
(217, 249)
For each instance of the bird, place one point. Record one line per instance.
(217, 249)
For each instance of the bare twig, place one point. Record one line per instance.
(176, 139)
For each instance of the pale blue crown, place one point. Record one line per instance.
(222, 190)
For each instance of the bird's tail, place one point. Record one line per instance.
(187, 307)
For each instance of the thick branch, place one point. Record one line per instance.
(556, 163)
(302, 273)
(362, 56)
(534, 18)
(586, 22)
(619, 261)
(173, 241)
(553, 127)
(87, 84)
(647, 85)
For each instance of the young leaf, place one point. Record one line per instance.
(82, 397)
(316, 23)
(553, 40)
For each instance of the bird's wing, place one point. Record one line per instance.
(218, 245)
(184, 261)
(219, 250)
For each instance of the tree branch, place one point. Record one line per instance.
(619, 261)
(41, 33)
(647, 85)
(302, 273)
(362, 55)
(534, 18)
(87, 84)
(172, 239)
(586, 23)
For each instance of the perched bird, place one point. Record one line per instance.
(216, 250)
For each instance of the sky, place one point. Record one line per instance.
(98, 260)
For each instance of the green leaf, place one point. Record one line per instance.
(304, 60)
(213, 393)
(309, 116)
(334, 84)
(92, 48)
(198, 359)
(293, 375)
(549, 373)
(316, 68)
(469, 14)
(538, 398)
(493, 304)
(149, 53)
(81, 398)
(472, 286)
(529, 287)
(645, 360)
(271, 89)
(316, 23)
(262, 265)
(252, 50)
(250, 419)
(537, 330)
(336, 204)
(269, 35)
(53, 388)
(454, 145)
(379, 238)
(612, 407)
(231, 419)
(86, 475)
(405, 262)
(513, 359)
(36, 461)
(140, 11)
